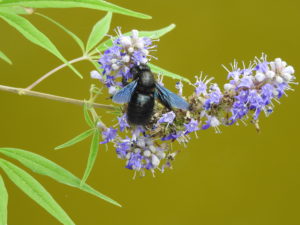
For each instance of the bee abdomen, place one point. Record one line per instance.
(140, 108)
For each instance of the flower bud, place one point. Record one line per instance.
(147, 153)
(260, 77)
(270, 74)
(155, 161)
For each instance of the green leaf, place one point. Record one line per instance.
(166, 73)
(5, 58)
(87, 116)
(99, 30)
(43, 166)
(92, 156)
(72, 35)
(91, 4)
(3, 203)
(157, 33)
(76, 139)
(151, 34)
(35, 191)
(15, 9)
(34, 35)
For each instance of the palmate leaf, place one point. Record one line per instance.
(43, 166)
(76, 139)
(3, 203)
(99, 30)
(152, 34)
(72, 35)
(92, 156)
(166, 73)
(91, 4)
(34, 35)
(35, 191)
(5, 58)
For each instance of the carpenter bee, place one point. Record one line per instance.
(140, 94)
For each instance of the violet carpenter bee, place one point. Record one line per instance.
(140, 94)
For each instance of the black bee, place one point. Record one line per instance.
(140, 94)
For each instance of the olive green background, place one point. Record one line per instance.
(238, 177)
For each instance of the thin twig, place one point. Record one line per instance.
(55, 70)
(22, 91)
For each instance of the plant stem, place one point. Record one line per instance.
(55, 70)
(22, 91)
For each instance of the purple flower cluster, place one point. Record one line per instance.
(249, 92)
(141, 153)
(116, 61)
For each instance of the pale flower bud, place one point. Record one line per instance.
(147, 153)
(155, 160)
(125, 41)
(270, 74)
(279, 79)
(95, 75)
(260, 77)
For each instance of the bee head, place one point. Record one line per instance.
(137, 70)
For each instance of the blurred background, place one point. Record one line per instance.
(238, 177)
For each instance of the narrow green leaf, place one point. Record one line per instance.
(76, 139)
(43, 166)
(152, 34)
(34, 35)
(5, 58)
(3, 203)
(15, 9)
(92, 156)
(99, 30)
(35, 191)
(74, 36)
(87, 116)
(91, 4)
(166, 73)
(158, 33)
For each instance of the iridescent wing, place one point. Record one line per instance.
(169, 99)
(124, 95)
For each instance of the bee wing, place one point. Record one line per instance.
(124, 95)
(169, 99)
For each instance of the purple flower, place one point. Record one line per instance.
(281, 88)
(123, 147)
(111, 59)
(167, 117)
(172, 136)
(139, 57)
(239, 110)
(211, 122)
(246, 82)
(234, 74)
(214, 98)
(191, 126)
(246, 72)
(123, 122)
(109, 134)
(200, 88)
(255, 100)
(262, 67)
(135, 161)
(267, 93)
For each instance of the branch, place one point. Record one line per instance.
(22, 91)
(53, 71)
